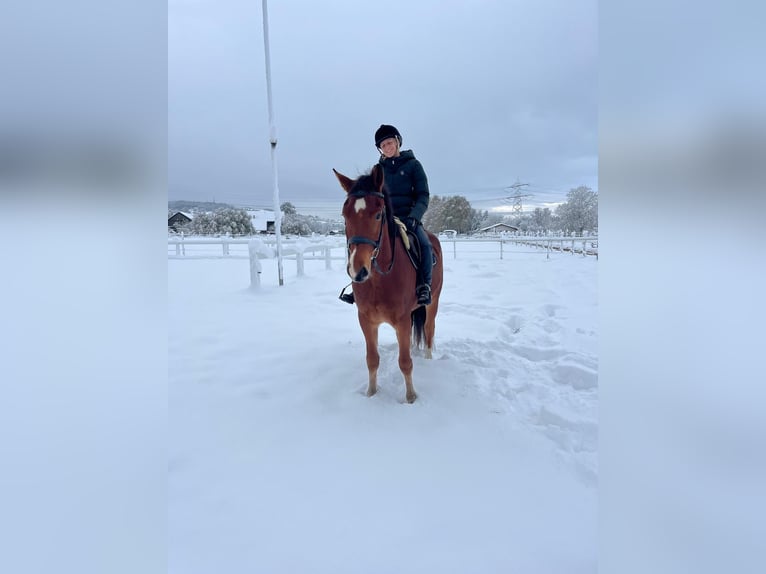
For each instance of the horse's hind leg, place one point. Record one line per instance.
(373, 358)
(404, 336)
(430, 326)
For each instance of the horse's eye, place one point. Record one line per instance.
(378, 215)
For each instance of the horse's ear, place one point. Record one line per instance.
(345, 182)
(377, 177)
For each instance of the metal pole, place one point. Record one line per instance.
(273, 142)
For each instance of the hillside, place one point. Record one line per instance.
(186, 205)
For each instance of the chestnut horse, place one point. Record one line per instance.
(383, 276)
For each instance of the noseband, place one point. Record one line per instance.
(357, 240)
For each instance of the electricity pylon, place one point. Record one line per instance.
(517, 196)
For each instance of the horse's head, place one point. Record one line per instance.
(365, 214)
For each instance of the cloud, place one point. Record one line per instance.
(483, 92)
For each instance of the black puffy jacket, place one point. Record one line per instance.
(407, 185)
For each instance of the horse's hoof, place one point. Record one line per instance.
(411, 397)
(371, 392)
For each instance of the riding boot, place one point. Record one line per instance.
(423, 289)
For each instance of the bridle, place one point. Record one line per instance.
(357, 240)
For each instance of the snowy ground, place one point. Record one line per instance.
(279, 462)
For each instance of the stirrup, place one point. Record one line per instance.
(346, 297)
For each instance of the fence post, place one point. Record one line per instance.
(501, 249)
(225, 245)
(299, 262)
(454, 249)
(178, 247)
(327, 257)
(255, 264)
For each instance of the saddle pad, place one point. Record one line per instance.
(403, 232)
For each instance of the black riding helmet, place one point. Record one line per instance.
(384, 132)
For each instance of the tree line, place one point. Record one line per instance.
(295, 223)
(227, 221)
(236, 222)
(578, 214)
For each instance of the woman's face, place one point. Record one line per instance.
(390, 147)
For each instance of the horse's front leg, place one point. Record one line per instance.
(370, 331)
(404, 337)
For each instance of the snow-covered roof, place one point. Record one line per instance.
(499, 226)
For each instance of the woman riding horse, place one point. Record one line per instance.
(383, 275)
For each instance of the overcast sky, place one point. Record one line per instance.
(485, 92)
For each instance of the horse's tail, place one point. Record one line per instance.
(418, 325)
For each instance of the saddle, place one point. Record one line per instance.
(411, 244)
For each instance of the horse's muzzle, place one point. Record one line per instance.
(361, 275)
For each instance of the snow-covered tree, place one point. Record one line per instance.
(294, 223)
(520, 221)
(433, 216)
(540, 220)
(229, 221)
(580, 211)
(454, 212)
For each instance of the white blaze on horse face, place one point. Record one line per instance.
(360, 204)
(351, 271)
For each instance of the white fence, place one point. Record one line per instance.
(239, 247)
(256, 249)
(582, 245)
(333, 248)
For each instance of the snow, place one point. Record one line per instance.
(279, 462)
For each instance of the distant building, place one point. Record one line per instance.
(179, 219)
(497, 228)
(263, 220)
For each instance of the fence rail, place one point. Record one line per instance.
(237, 247)
(329, 249)
(582, 245)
